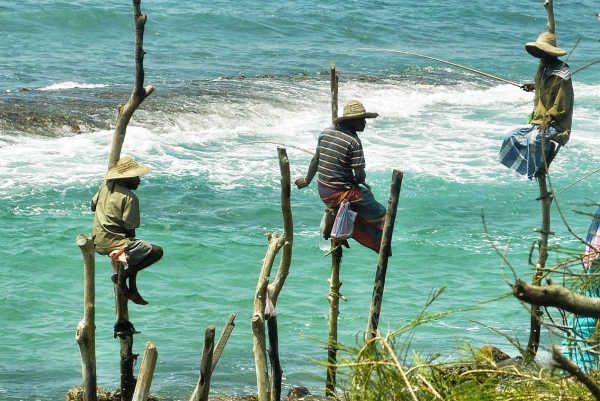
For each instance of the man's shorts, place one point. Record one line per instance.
(137, 250)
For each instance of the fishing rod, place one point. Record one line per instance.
(439, 60)
(286, 145)
(462, 66)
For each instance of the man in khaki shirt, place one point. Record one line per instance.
(117, 215)
(529, 150)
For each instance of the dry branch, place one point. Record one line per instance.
(565, 364)
(557, 296)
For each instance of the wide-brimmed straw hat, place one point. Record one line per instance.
(354, 109)
(126, 167)
(546, 42)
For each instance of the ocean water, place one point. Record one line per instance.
(235, 80)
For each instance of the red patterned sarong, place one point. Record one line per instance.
(368, 226)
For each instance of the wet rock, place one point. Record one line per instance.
(76, 394)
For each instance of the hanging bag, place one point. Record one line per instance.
(343, 226)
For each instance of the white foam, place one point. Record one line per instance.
(71, 85)
(452, 132)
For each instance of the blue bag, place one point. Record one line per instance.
(343, 226)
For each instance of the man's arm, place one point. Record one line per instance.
(360, 175)
(310, 174)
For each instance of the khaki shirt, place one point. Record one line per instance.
(554, 96)
(116, 218)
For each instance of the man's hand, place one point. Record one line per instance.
(301, 183)
(545, 124)
(528, 87)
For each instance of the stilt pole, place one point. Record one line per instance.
(384, 253)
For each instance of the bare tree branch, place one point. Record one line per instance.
(557, 296)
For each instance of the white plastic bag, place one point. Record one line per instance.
(343, 226)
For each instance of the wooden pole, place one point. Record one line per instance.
(206, 364)
(86, 329)
(288, 227)
(384, 252)
(223, 341)
(548, 4)
(546, 198)
(276, 371)
(218, 350)
(535, 325)
(258, 318)
(334, 80)
(336, 260)
(266, 291)
(334, 311)
(139, 92)
(124, 330)
(144, 382)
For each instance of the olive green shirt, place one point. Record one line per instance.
(116, 218)
(554, 96)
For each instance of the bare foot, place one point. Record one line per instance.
(123, 289)
(137, 298)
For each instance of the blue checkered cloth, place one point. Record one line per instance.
(522, 149)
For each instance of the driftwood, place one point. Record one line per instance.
(269, 293)
(144, 382)
(86, 329)
(565, 364)
(557, 296)
(384, 252)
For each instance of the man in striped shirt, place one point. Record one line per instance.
(340, 164)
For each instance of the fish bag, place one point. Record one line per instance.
(343, 226)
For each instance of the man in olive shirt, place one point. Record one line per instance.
(529, 150)
(117, 215)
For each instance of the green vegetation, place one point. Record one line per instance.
(385, 369)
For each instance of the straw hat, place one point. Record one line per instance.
(126, 168)
(546, 43)
(354, 109)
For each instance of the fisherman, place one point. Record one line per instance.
(529, 150)
(117, 215)
(340, 164)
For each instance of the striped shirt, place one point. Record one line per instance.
(340, 152)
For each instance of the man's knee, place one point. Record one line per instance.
(157, 252)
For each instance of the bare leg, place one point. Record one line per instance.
(131, 273)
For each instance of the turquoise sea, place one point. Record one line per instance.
(234, 80)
